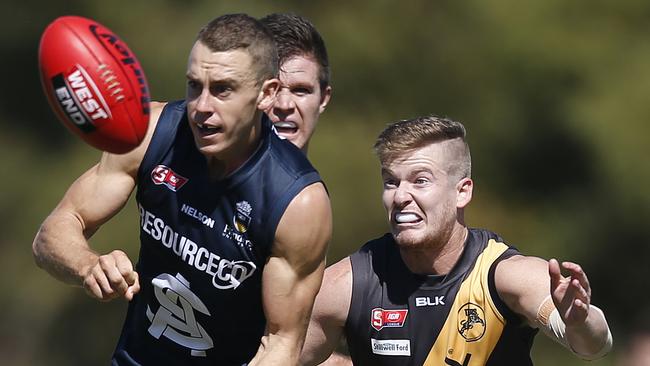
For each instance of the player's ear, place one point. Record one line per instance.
(326, 95)
(464, 189)
(266, 99)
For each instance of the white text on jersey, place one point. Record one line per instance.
(226, 274)
(427, 301)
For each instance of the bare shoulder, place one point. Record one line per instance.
(305, 234)
(312, 196)
(130, 162)
(335, 295)
(338, 274)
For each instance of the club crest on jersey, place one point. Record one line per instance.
(175, 318)
(80, 99)
(242, 218)
(380, 318)
(471, 322)
(164, 175)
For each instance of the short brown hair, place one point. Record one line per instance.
(297, 36)
(407, 135)
(234, 31)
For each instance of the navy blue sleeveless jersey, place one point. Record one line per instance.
(203, 247)
(398, 318)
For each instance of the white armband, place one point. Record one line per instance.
(554, 327)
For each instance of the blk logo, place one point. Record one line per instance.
(428, 301)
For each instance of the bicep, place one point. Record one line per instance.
(104, 189)
(330, 313)
(97, 195)
(293, 272)
(523, 283)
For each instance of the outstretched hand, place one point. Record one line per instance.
(111, 277)
(571, 295)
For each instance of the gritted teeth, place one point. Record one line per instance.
(406, 217)
(286, 127)
(285, 124)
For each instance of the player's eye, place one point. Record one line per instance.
(221, 90)
(193, 84)
(390, 183)
(301, 91)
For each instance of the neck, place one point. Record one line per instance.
(226, 163)
(436, 258)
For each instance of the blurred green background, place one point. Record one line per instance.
(554, 95)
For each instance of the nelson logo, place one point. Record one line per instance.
(162, 174)
(380, 318)
(111, 42)
(471, 322)
(80, 99)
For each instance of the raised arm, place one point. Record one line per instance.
(560, 306)
(293, 274)
(329, 316)
(61, 244)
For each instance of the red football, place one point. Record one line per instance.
(94, 83)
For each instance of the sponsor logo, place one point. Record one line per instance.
(381, 318)
(242, 218)
(162, 174)
(427, 301)
(226, 274)
(128, 60)
(175, 318)
(391, 347)
(199, 216)
(471, 322)
(80, 99)
(234, 235)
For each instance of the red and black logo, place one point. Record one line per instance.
(80, 99)
(164, 175)
(380, 318)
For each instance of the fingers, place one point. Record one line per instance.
(555, 273)
(112, 276)
(134, 288)
(578, 274)
(572, 295)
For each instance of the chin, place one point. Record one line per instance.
(407, 241)
(208, 149)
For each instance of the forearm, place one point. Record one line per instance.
(277, 349)
(337, 359)
(61, 248)
(591, 340)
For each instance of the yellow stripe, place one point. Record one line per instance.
(475, 314)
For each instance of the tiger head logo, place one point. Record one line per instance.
(471, 322)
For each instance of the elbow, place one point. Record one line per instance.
(38, 250)
(41, 248)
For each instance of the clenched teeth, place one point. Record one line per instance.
(403, 218)
(285, 124)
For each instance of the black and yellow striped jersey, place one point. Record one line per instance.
(399, 318)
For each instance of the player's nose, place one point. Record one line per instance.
(284, 101)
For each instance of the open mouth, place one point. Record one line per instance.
(286, 128)
(206, 130)
(406, 218)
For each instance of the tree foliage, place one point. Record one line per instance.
(553, 94)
